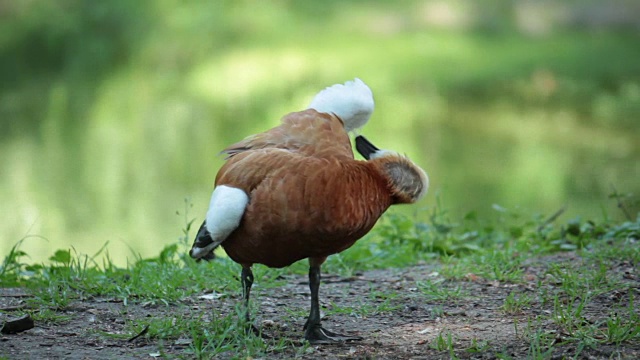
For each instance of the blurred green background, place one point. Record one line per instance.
(113, 112)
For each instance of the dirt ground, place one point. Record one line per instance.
(407, 331)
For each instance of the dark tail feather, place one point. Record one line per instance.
(203, 238)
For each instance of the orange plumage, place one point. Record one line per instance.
(296, 192)
(307, 132)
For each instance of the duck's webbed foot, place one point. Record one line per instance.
(314, 332)
(319, 335)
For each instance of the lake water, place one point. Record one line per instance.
(91, 157)
(112, 187)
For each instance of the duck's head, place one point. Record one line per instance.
(407, 181)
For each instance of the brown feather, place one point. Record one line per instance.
(312, 207)
(309, 198)
(307, 132)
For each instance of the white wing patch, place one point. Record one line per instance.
(352, 102)
(226, 208)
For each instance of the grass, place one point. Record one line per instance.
(444, 342)
(621, 325)
(496, 252)
(477, 346)
(204, 337)
(438, 291)
(515, 304)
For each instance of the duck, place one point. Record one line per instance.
(297, 192)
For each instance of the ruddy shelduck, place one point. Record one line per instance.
(296, 192)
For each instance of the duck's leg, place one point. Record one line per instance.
(315, 333)
(247, 281)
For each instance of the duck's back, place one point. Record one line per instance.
(306, 132)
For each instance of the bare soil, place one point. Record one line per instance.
(407, 331)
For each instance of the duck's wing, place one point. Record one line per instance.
(308, 132)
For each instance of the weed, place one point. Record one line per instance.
(618, 329)
(540, 345)
(50, 316)
(589, 281)
(383, 300)
(437, 290)
(13, 269)
(504, 266)
(568, 313)
(478, 346)
(615, 251)
(341, 265)
(514, 305)
(444, 343)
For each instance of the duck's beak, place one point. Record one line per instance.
(364, 147)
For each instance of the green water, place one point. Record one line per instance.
(105, 134)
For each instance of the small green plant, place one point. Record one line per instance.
(444, 343)
(540, 345)
(338, 264)
(437, 237)
(455, 268)
(514, 305)
(588, 281)
(438, 290)
(618, 329)
(12, 269)
(383, 300)
(478, 346)
(498, 264)
(50, 317)
(568, 314)
(615, 250)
